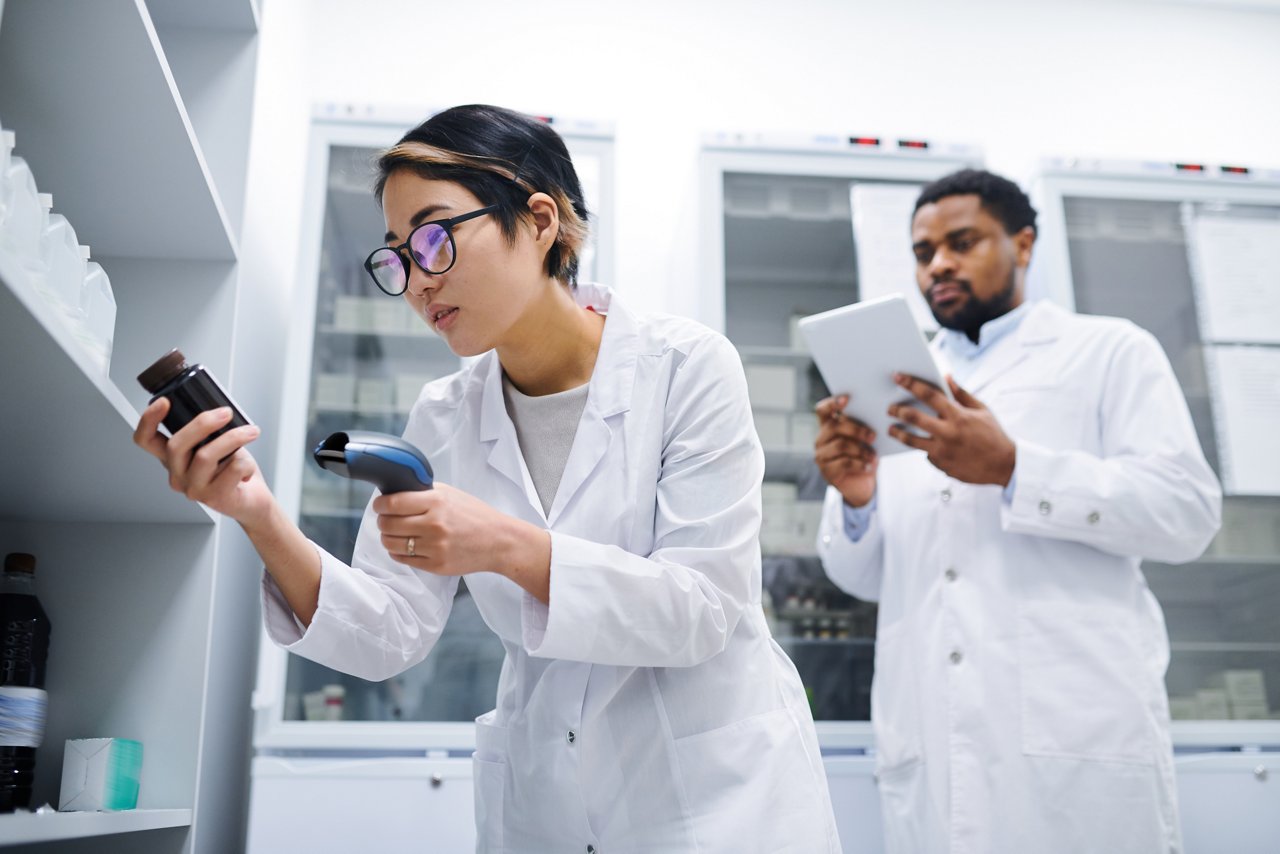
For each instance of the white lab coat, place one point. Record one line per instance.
(648, 709)
(1018, 700)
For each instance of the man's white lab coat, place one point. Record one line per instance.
(648, 708)
(1018, 701)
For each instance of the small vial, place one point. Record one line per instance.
(191, 390)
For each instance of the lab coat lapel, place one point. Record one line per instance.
(499, 433)
(1039, 327)
(609, 395)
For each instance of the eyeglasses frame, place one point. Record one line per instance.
(403, 249)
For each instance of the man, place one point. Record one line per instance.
(1018, 702)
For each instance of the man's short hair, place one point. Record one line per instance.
(1001, 198)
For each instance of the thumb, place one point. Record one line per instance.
(963, 397)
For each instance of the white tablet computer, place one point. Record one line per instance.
(858, 348)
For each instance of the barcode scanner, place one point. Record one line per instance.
(388, 462)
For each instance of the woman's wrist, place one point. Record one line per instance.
(524, 556)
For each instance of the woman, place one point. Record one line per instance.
(598, 482)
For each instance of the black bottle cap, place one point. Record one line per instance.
(20, 562)
(162, 370)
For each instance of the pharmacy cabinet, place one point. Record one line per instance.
(357, 360)
(1184, 250)
(135, 117)
(795, 225)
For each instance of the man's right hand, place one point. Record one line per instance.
(843, 452)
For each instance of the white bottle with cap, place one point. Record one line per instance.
(24, 216)
(62, 267)
(98, 308)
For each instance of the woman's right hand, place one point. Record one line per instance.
(843, 452)
(222, 475)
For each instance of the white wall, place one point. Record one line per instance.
(1124, 78)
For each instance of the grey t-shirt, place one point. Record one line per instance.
(545, 427)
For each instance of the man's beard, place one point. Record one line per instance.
(975, 312)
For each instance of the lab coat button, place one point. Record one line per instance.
(571, 736)
(956, 656)
(951, 575)
(946, 495)
(1094, 517)
(826, 539)
(1045, 508)
(1260, 773)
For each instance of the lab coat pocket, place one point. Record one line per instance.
(751, 786)
(895, 698)
(489, 769)
(910, 822)
(1083, 685)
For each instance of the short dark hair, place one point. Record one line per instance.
(1002, 198)
(502, 157)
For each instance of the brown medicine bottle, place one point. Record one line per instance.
(191, 389)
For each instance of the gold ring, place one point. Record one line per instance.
(409, 543)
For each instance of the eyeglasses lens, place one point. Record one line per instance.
(388, 270)
(431, 248)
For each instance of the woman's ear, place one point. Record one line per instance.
(546, 220)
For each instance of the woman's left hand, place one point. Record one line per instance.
(446, 531)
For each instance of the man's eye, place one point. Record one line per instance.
(924, 256)
(963, 245)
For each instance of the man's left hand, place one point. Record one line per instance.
(963, 440)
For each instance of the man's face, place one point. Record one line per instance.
(969, 269)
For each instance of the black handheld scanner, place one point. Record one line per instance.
(388, 462)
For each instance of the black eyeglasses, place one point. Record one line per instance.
(431, 246)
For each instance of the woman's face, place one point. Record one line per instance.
(476, 302)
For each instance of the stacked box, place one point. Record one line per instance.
(771, 386)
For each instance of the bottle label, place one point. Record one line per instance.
(22, 716)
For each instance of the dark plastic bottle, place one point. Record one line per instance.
(191, 389)
(24, 649)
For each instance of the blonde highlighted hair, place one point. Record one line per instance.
(502, 157)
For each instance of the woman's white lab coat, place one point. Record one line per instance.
(1018, 701)
(648, 708)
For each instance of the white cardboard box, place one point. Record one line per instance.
(100, 774)
(771, 386)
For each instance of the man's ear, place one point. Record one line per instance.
(1023, 242)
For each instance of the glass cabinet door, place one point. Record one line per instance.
(790, 251)
(1133, 258)
(371, 356)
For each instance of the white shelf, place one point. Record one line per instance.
(20, 828)
(117, 116)
(235, 15)
(338, 332)
(56, 400)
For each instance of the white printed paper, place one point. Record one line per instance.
(1236, 278)
(1245, 385)
(882, 235)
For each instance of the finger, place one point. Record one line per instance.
(847, 428)
(226, 457)
(920, 443)
(147, 434)
(407, 503)
(844, 449)
(184, 442)
(927, 393)
(963, 397)
(829, 406)
(910, 415)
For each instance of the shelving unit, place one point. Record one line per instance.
(1115, 242)
(778, 221)
(135, 116)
